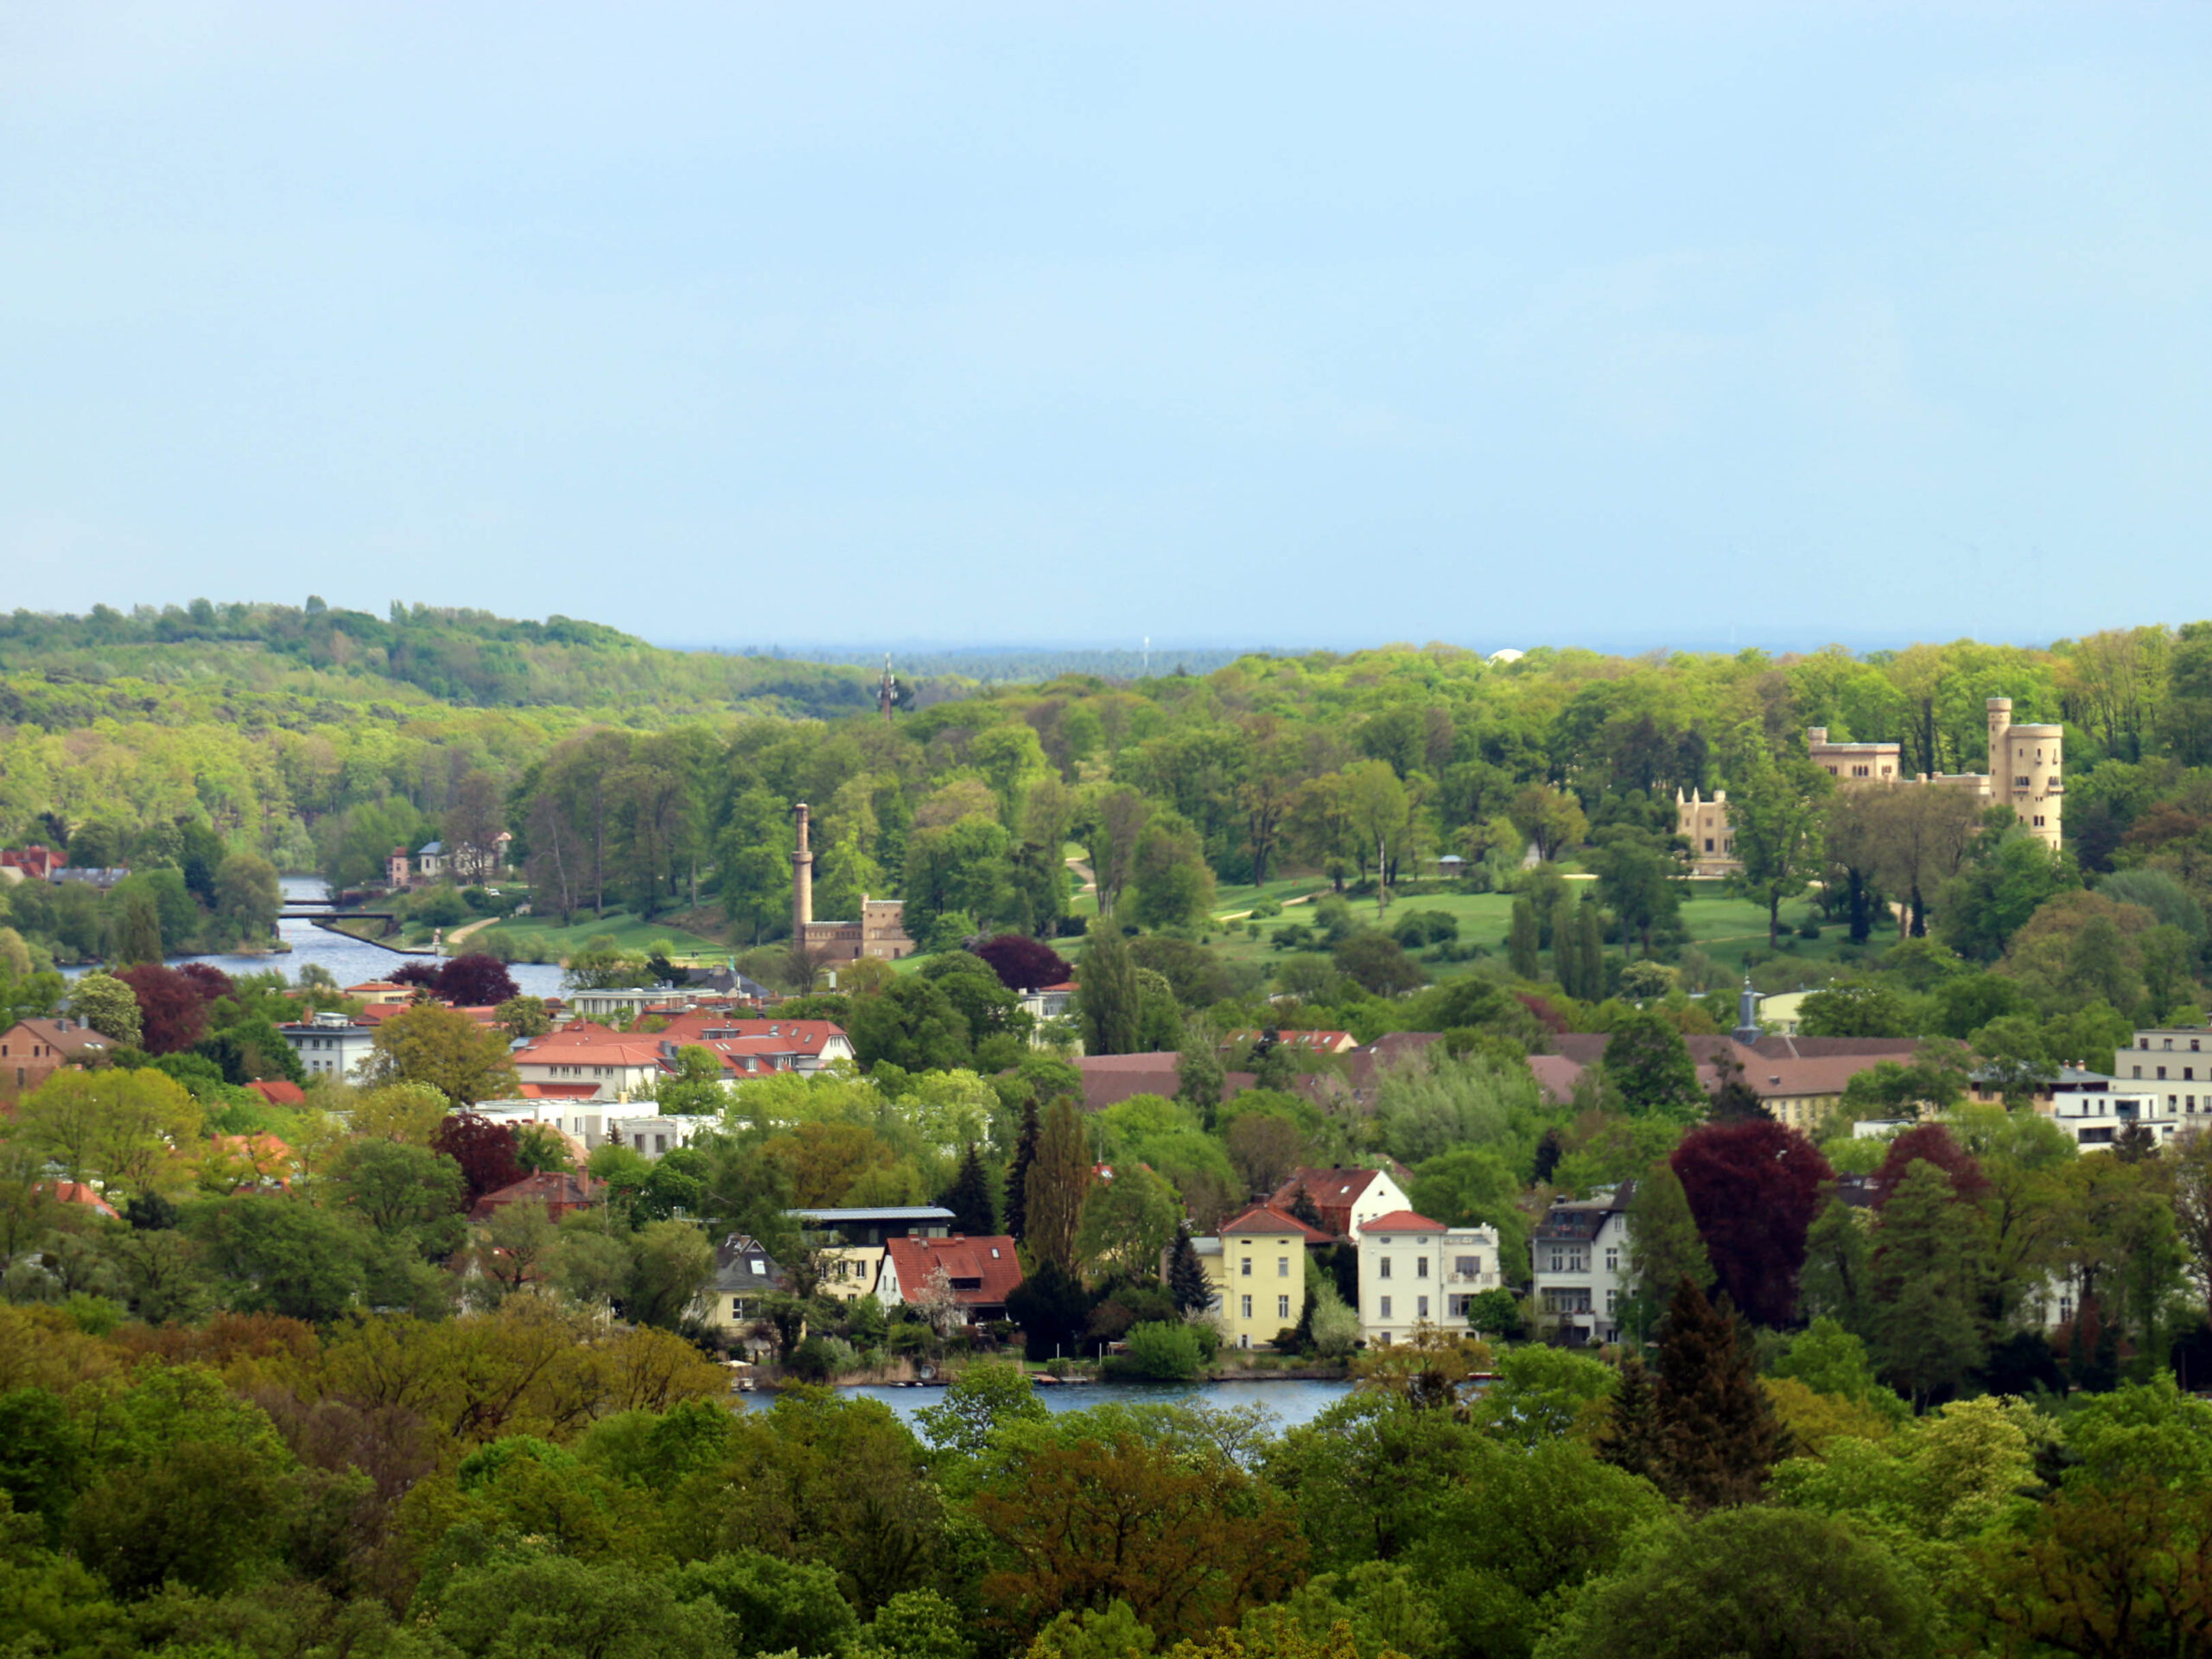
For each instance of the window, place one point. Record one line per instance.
(1421, 1267)
(1456, 1307)
(1383, 1272)
(1612, 1258)
(1708, 843)
(1467, 1267)
(1283, 1307)
(2139, 1071)
(1420, 1307)
(1282, 1267)
(1386, 1307)
(737, 1307)
(759, 1268)
(1247, 1271)
(2019, 783)
(1246, 1302)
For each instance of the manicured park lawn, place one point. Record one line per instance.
(543, 938)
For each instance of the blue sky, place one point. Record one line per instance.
(966, 324)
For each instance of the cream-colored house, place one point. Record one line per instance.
(1415, 1272)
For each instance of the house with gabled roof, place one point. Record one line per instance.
(979, 1274)
(31, 1050)
(1256, 1265)
(1415, 1272)
(1347, 1198)
(559, 1190)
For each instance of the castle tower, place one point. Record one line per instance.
(802, 879)
(2000, 777)
(2026, 772)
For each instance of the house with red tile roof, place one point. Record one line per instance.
(76, 1193)
(279, 1092)
(1256, 1266)
(31, 864)
(559, 1190)
(801, 1045)
(31, 1050)
(1347, 1198)
(1415, 1272)
(1109, 1079)
(979, 1274)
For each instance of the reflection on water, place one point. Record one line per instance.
(350, 961)
(1290, 1402)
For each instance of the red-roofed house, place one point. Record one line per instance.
(31, 864)
(279, 1092)
(557, 1190)
(31, 1050)
(1416, 1272)
(76, 1193)
(1109, 1079)
(616, 1066)
(1347, 1198)
(1258, 1267)
(1306, 1042)
(981, 1273)
(801, 1045)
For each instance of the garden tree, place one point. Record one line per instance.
(1379, 814)
(132, 1130)
(1186, 1275)
(278, 1256)
(513, 1244)
(446, 1049)
(1108, 1001)
(1649, 1065)
(2082, 947)
(475, 981)
(524, 1016)
(2006, 876)
(696, 1086)
(172, 1013)
(1110, 820)
(1664, 1249)
(1754, 1188)
(1201, 1074)
(2190, 1174)
(1023, 964)
(138, 936)
(1639, 879)
(1550, 818)
(484, 1150)
(1917, 838)
(1936, 1081)
(473, 821)
(980, 1401)
(1930, 1267)
(1735, 1582)
(1541, 1394)
(1472, 1186)
(956, 868)
(247, 896)
(395, 1188)
(2115, 1237)
(1521, 940)
(1716, 1434)
(1851, 817)
(1866, 1010)
(1837, 1280)
(1172, 885)
(968, 1198)
(1126, 1224)
(409, 1113)
(1775, 811)
(1734, 1101)
(108, 1006)
(670, 1261)
(1929, 1143)
(913, 1024)
(1055, 1185)
(1093, 1516)
(540, 1147)
(998, 1027)
(1264, 1148)
(1051, 1307)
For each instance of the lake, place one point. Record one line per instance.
(351, 962)
(1291, 1402)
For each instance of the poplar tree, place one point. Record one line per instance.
(1055, 1185)
(1931, 1268)
(1521, 941)
(1590, 934)
(1017, 1175)
(1109, 996)
(1717, 1436)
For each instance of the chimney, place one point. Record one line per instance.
(802, 878)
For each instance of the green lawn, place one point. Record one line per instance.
(543, 938)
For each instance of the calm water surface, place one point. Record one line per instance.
(1292, 1403)
(350, 961)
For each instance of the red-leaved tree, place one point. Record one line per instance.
(1753, 1187)
(421, 971)
(1023, 964)
(213, 982)
(1929, 1143)
(484, 1151)
(475, 981)
(171, 1012)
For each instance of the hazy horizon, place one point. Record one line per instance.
(1718, 324)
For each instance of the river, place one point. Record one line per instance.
(1291, 1402)
(351, 962)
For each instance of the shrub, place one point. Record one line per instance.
(1161, 1351)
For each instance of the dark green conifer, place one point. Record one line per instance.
(1630, 1439)
(1717, 1434)
(968, 1198)
(1186, 1277)
(1017, 1175)
(1521, 940)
